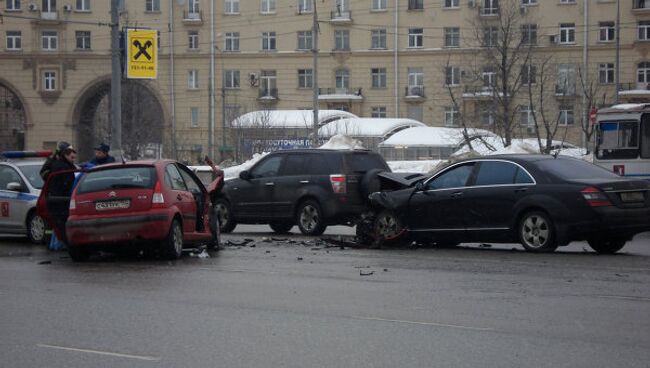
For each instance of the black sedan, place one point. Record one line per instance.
(540, 201)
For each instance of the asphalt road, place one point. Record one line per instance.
(296, 302)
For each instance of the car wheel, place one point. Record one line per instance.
(606, 245)
(310, 218)
(36, 229)
(537, 233)
(224, 215)
(281, 227)
(173, 243)
(79, 254)
(387, 226)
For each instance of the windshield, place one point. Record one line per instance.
(574, 169)
(31, 172)
(120, 178)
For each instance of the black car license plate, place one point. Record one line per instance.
(632, 197)
(111, 205)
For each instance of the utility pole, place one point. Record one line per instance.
(618, 47)
(116, 82)
(314, 50)
(211, 85)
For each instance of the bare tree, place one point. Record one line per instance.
(593, 97)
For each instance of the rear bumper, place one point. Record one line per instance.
(115, 229)
(611, 220)
(338, 211)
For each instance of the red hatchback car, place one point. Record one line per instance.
(161, 203)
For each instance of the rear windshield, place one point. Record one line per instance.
(118, 178)
(574, 169)
(363, 162)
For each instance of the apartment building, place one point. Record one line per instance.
(429, 60)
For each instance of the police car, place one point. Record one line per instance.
(20, 186)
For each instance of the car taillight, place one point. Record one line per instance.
(595, 197)
(157, 200)
(338, 183)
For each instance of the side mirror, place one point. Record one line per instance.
(245, 175)
(419, 186)
(14, 187)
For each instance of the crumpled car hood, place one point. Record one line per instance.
(399, 180)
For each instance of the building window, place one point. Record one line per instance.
(378, 112)
(378, 76)
(305, 78)
(567, 1)
(452, 3)
(49, 40)
(378, 39)
(487, 114)
(526, 117)
(268, 83)
(643, 72)
(566, 115)
(13, 5)
(606, 32)
(489, 76)
(528, 2)
(452, 76)
(305, 6)
(452, 37)
(490, 7)
(193, 79)
(341, 40)
(416, 4)
(528, 74)
(48, 6)
(194, 117)
(451, 116)
(567, 33)
(566, 81)
(305, 40)
(231, 41)
(83, 40)
(49, 80)
(378, 5)
(231, 79)
(268, 6)
(14, 40)
(152, 5)
(193, 40)
(232, 112)
(529, 34)
(231, 7)
(342, 79)
(644, 30)
(268, 41)
(606, 73)
(416, 37)
(490, 36)
(84, 5)
(415, 82)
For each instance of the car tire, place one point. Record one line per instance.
(79, 253)
(370, 183)
(173, 243)
(224, 215)
(310, 218)
(387, 226)
(36, 228)
(537, 232)
(281, 227)
(606, 245)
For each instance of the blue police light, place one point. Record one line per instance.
(25, 154)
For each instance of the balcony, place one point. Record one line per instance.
(414, 93)
(641, 6)
(267, 95)
(193, 17)
(340, 94)
(565, 91)
(50, 15)
(478, 92)
(341, 16)
(634, 92)
(488, 12)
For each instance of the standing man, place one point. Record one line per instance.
(60, 187)
(101, 155)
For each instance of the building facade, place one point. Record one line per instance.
(421, 59)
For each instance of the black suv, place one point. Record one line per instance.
(312, 188)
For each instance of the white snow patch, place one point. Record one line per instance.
(342, 142)
(422, 166)
(367, 127)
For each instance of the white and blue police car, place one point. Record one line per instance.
(20, 186)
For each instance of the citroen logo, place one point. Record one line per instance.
(112, 194)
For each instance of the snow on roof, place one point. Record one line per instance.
(494, 146)
(342, 142)
(430, 137)
(287, 118)
(366, 127)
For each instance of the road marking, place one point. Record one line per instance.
(623, 297)
(128, 356)
(425, 323)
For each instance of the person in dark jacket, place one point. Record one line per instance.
(60, 186)
(101, 155)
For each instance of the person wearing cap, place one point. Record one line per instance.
(101, 155)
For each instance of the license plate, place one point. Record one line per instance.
(632, 197)
(111, 205)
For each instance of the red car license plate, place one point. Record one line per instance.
(632, 197)
(111, 205)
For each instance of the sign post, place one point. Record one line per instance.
(141, 54)
(592, 115)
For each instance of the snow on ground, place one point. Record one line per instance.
(423, 166)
